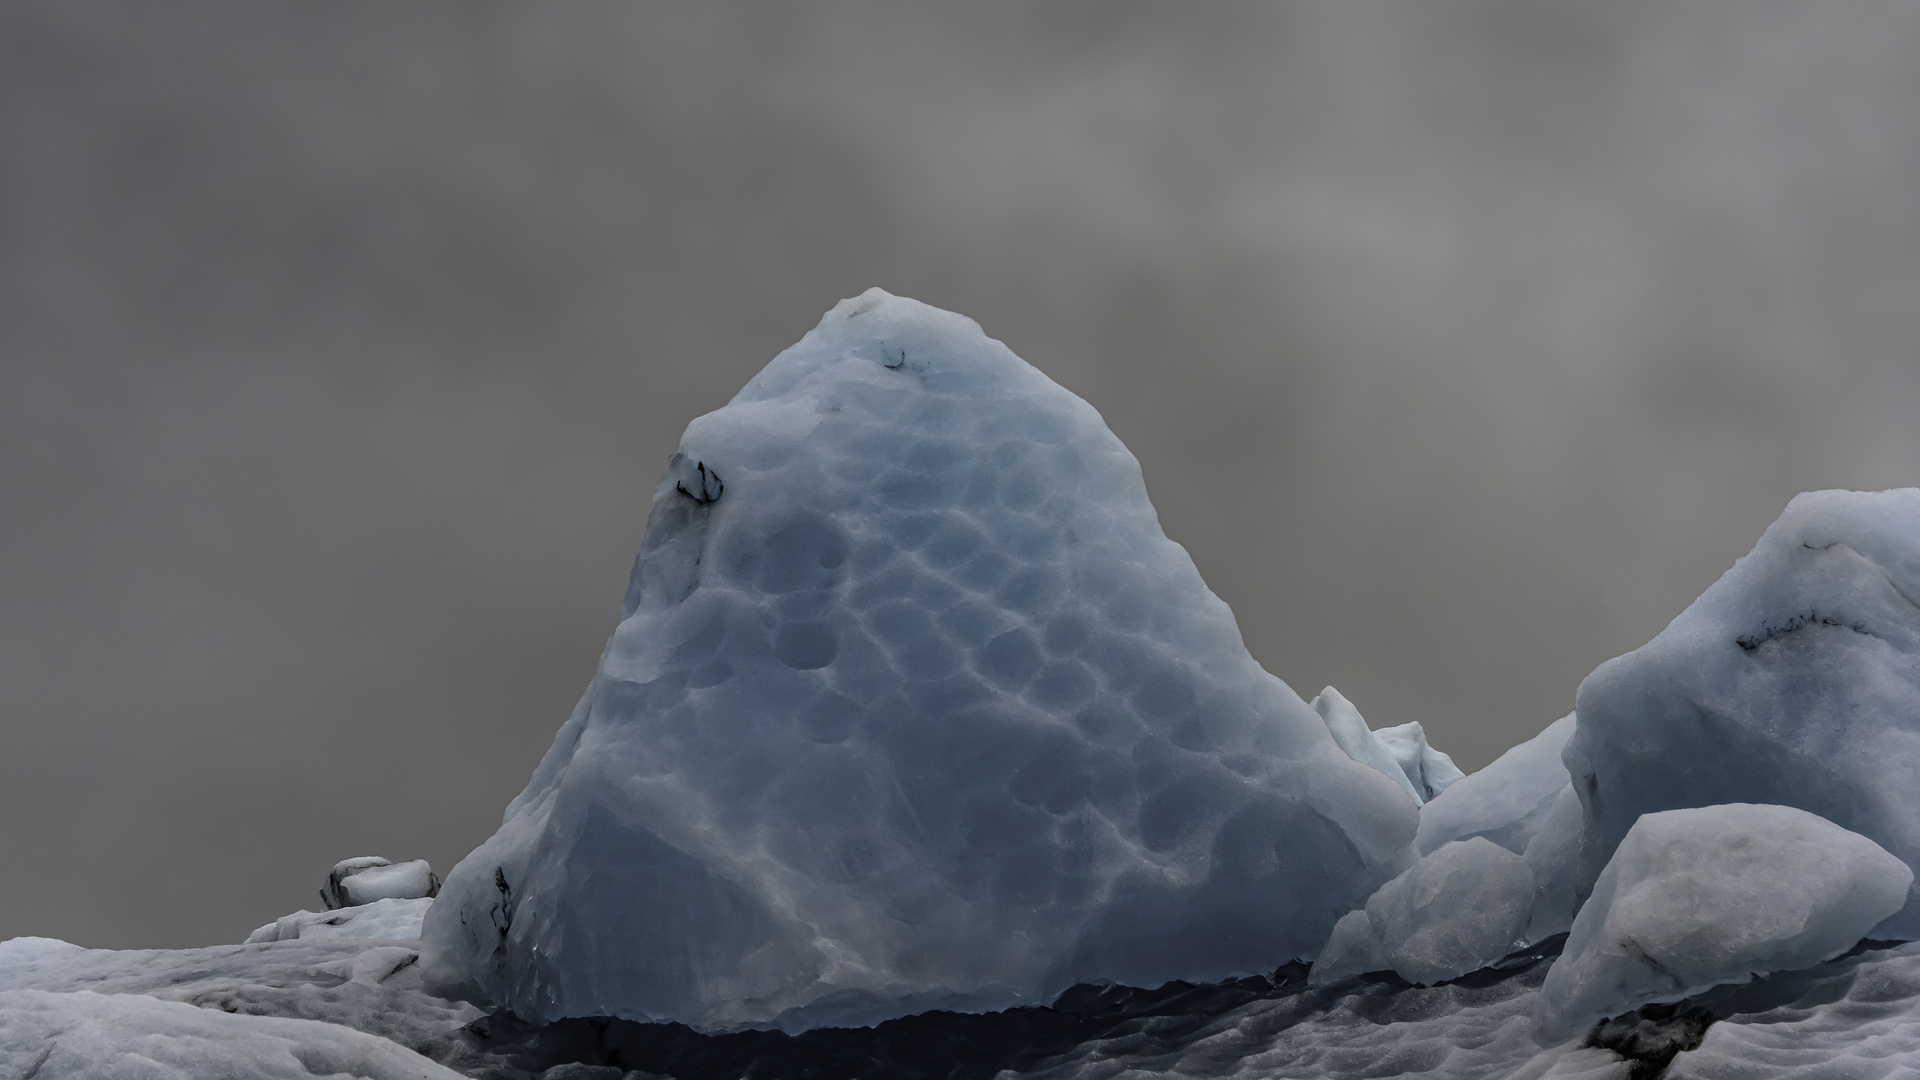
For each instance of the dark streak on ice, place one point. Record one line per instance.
(1798, 621)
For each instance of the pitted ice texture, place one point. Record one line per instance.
(912, 705)
(1794, 679)
(1699, 897)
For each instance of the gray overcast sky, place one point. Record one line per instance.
(341, 347)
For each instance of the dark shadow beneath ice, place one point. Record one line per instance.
(945, 1045)
(926, 1046)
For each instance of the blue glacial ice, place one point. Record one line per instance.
(1793, 680)
(911, 705)
(1697, 898)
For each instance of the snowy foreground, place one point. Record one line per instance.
(919, 750)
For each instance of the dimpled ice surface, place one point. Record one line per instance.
(912, 705)
(1794, 679)
(1718, 894)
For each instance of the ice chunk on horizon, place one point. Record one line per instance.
(1361, 743)
(1794, 680)
(1429, 771)
(368, 878)
(1699, 897)
(912, 705)
(1506, 801)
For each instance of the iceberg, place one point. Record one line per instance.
(911, 705)
(1793, 680)
(1457, 910)
(1699, 897)
(369, 878)
(1399, 753)
(1524, 802)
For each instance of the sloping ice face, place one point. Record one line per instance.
(911, 705)
(1794, 680)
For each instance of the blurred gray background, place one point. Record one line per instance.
(341, 347)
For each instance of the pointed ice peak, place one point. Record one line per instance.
(917, 708)
(1400, 752)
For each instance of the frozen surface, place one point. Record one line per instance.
(1352, 949)
(1359, 1028)
(911, 705)
(1794, 679)
(1428, 770)
(1525, 803)
(390, 920)
(1349, 730)
(1507, 801)
(1699, 897)
(89, 1036)
(1854, 1019)
(368, 986)
(369, 878)
(1456, 910)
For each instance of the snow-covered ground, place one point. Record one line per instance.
(912, 707)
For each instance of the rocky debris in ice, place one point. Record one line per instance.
(1793, 680)
(916, 708)
(1857, 1017)
(368, 878)
(1695, 898)
(1457, 910)
(86, 1036)
(387, 920)
(1523, 801)
(1653, 1035)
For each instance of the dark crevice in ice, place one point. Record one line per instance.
(1797, 621)
(943, 1045)
(1512, 963)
